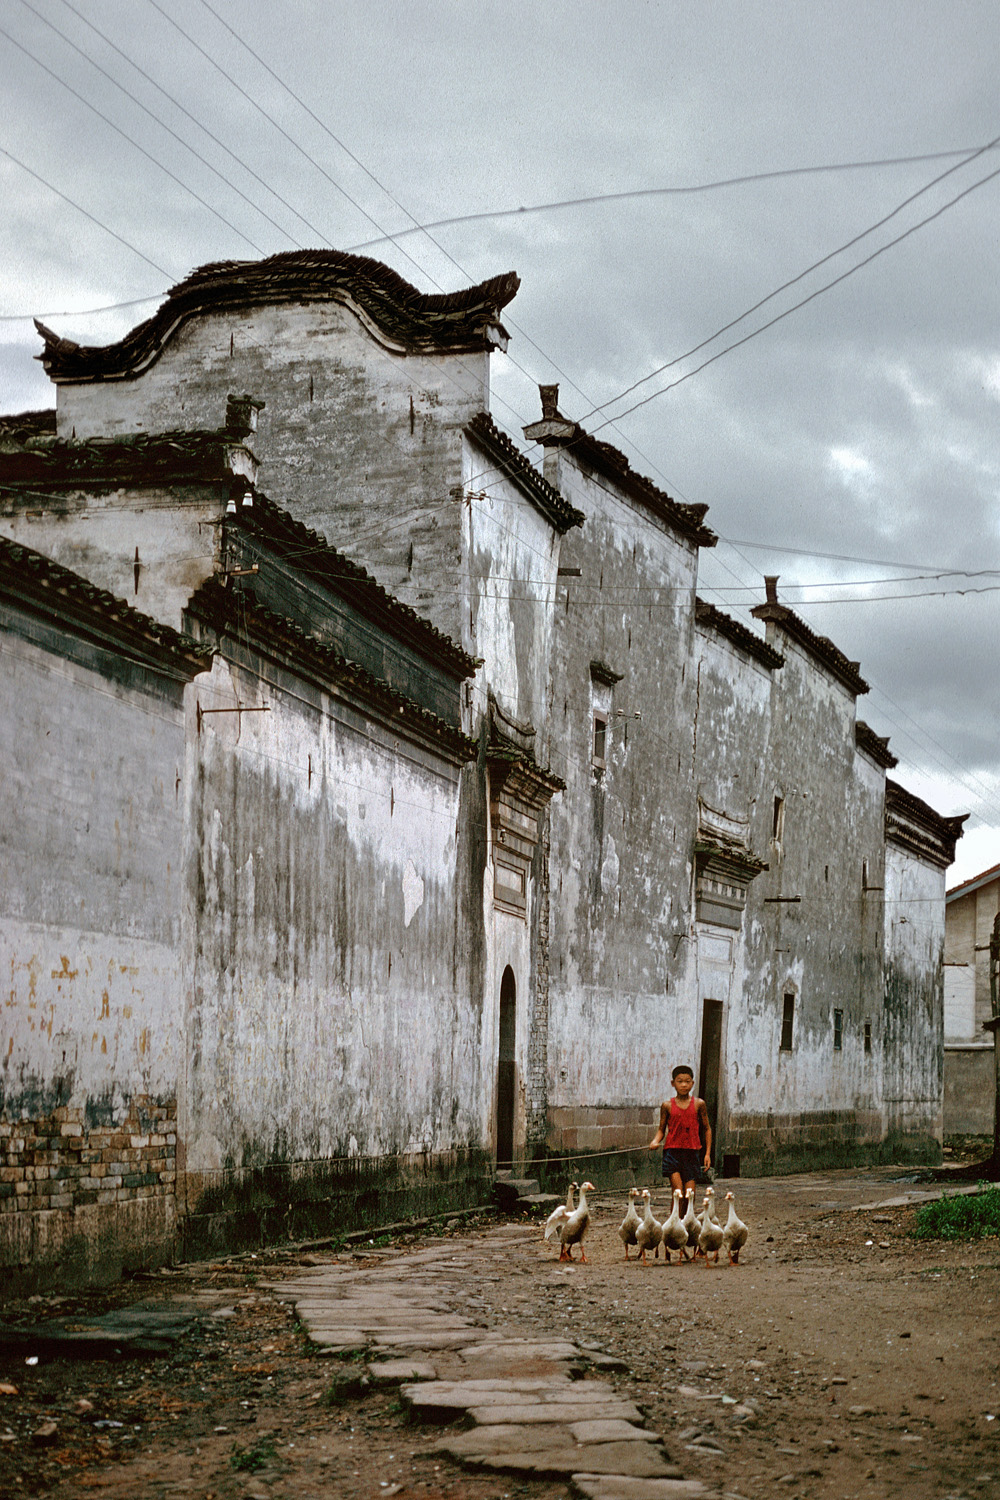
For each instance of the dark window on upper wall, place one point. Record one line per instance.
(778, 819)
(787, 1021)
(838, 1030)
(600, 745)
(868, 1036)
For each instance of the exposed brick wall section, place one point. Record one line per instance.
(57, 1161)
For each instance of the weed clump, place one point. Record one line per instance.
(249, 1460)
(972, 1216)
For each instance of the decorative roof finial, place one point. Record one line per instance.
(771, 586)
(550, 401)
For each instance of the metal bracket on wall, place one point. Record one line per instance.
(239, 709)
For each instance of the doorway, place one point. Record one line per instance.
(711, 1064)
(506, 1070)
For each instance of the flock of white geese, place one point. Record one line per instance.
(692, 1235)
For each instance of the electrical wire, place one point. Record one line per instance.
(157, 119)
(85, 211)
(593, 199)
(779, 317)
(832, 255)
(131, 141)
(200, 126)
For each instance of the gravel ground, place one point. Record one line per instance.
(868, 1361)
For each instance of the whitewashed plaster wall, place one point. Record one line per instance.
(510, 557)
(358, 439)
(960, 1003)
(174, 532)
(90, 900)
(732, 734)
(914, 994)
(813, 929)
(332, 1012)
(621, 1004)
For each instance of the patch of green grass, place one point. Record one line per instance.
(971, 1216)
(249, 1460)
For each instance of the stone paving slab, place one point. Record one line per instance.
(623, 1487)
(518, 1349)
(415, 1338)
(531, 1417)
(612, 1430)
(632, 1460)
(400, 1371)
(551, 1411)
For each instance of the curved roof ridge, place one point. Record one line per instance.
(416, 321)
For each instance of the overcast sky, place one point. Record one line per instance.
(859, 433)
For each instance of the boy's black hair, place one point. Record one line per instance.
(681, 1068)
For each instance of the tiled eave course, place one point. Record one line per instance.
(309, 553)
(140, 459)
(611, 463)
(874, 745)
(974, 883)
(512, 463)
(250, 626)
(415, 322)
(819, 647)
(68, 601)
(914, 825)
(19, 428)
(711, 618)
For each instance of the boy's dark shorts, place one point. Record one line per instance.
(686, 1162)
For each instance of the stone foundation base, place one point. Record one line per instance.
(772, 1144)
(247, 1207)
(91, 1245)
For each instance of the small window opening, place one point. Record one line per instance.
(864, 874)
(778, 819)
(787, 1019)
(838, 1031)
(600, 739)
(826, 873)
(868, 1037)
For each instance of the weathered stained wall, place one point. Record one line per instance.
(731, 777)
(914, 1002)
(334, 1011)
(622, 834)
(361, 442)
(814, 930)
(510, 557)
(151, 547)
(90, 919)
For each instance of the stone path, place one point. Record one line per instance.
(537, 1407)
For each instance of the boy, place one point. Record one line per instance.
(683, 1125)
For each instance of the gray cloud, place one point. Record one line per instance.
(862, 424)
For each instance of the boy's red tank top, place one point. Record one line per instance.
(682, 1132)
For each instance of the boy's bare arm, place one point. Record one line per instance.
(660, 1135)
(703, 1119)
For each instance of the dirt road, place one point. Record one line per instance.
(869, 1363)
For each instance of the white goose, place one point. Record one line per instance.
(573, 1229)
(710, 1238)
(650, 1231)
(675, 1236)
(692, 1224)
(557, 1216)
(630, 1223)
(735, 1233)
